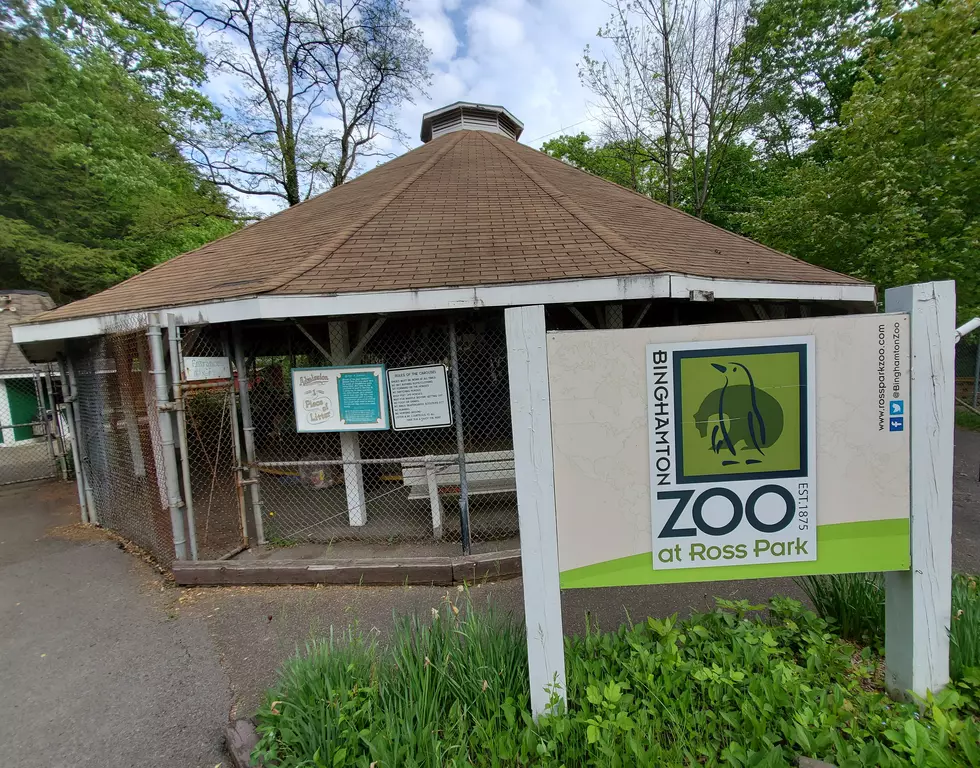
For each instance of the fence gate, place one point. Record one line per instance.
(209, 440)
(31, 446)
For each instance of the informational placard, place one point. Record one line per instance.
(419, 397)
(340, 399)
(732, 451)
(206, 368)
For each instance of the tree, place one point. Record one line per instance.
(677, 85)
(806, 56)
(95, 187)
(899, 200)
(318, 81)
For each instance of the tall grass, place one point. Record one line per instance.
(853, 602)
(964, 633)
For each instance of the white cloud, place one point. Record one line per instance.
(522, 54)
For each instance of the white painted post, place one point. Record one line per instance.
(434, 502)
(530, 405)
(350, 445)
(917, 609)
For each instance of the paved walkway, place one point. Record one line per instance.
(101, 664)
(95, 671)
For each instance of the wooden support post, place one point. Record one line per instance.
(530, 401)
(350, 445)
(433, 485)
(918, 601)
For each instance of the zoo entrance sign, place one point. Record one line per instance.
(740, 451)
(731, 450)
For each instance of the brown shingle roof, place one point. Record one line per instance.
(18, 307)
(468, 208)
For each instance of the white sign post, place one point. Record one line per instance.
(918, 601)
(527, 365)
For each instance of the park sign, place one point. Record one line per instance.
(747, 431)
(730, 451)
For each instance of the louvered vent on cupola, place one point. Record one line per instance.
(465, 116)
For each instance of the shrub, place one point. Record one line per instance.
(854, 602)
(722, 688)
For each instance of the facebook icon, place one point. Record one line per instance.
(896, 424)
(896, 408)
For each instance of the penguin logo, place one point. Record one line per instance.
(740, 420)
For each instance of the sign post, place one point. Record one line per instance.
(527, 365)
(918, 601)
(739, 451)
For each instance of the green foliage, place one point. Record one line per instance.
(731, 687)
(95, 188)
(899, 200)
(967, 419)
(854, 602)
(964, 633)
(806, 56)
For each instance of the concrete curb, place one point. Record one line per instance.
(241, 738)
(434, 571)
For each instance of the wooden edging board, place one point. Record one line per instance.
(436, 571)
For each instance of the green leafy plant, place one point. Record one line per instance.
(738, 686)
(854, 602)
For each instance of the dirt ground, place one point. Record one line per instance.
(105, 663)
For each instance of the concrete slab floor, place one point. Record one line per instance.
(134, 673)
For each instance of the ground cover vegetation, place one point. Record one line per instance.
(742, 685)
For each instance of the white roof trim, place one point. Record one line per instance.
(275, 307)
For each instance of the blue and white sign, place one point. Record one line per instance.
(340, 399)
(896, 408)
(896, 424)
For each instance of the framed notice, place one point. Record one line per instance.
(419, 397)
(340, 399)
(206, 368)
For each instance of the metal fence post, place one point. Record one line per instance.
(185, 466)
(39, 397)
(976, 374)
(49, 388)
(93, 516)
(68, 400)
(236, 441)
(464, 496)
(164, 406)
(248, 430)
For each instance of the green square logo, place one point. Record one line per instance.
(742, 413)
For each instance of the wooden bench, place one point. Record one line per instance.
(429, 476)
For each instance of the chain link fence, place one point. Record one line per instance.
(209, 442)
(441, 489)
(120, 441)
(968, 370)
(31, 438)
